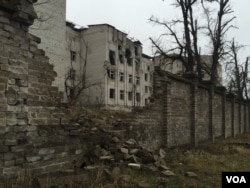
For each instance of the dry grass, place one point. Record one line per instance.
(208, 162)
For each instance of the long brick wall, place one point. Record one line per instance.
(196, 112)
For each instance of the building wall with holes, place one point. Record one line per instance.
(115, 66)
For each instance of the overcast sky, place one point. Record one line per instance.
(131, 17)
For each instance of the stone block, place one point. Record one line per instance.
(10, 142)
(19, 161)
(12, 101)
(22, 122)
(4, 20)
(74, 133)
(10, 163)
(4, 67)
(31, 128)
(4, 149)
(11, 122)
(9, 28)
(33, 158)
(79, 151)
(45, 151)
(11, 170)
(12, 81)
(2, 123)
(48, 157)
(54, 167)
(18, 149)
(9, 156)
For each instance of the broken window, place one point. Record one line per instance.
(137, 80)
(128, 57)
(121, 76)
(121, 58)
(136, 51)
(137, 66)
(130, 78)
(73, 55)
(111, 93)
(146, 89)
(150, 89)
(121, 94)
(130, 61)
(130, 96)
(111, 74)
(112, 57)
(146, 77)
(138, 97)
(119, 47)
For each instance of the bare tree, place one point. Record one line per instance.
(237, 72)
(186, 42)
(186, 47)
(217, 27)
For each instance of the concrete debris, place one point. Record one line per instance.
(168, 173)
(134, 165)
(191, 174)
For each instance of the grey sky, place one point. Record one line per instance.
(131, 16)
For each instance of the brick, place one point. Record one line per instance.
(46, 151)
(4, 20)
(4, 149)
(9, 28)
(4, 33)
(10, 142)
(9, 163)
(11, 170)
(33, 158)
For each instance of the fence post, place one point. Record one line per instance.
(162, 90)
(224, 130)
(245, 117)
(211, 113)
(194, 140)
(233, 123)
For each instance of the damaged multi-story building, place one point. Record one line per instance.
(96, 66)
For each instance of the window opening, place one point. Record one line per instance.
(121, 94)
(130, 96)
(138, 97)
(73, 55)
(112, 57)
(111, 74)
(111, 93)
(121, 76)
(130, 78)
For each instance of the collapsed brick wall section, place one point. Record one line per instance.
(34, 133)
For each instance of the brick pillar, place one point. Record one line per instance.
(211, 112)
(161, 90)
(165, 113)
(224, 133)
(194, 78)
(245, 117)
(194, 140)
(239, 115)
(233, 112)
